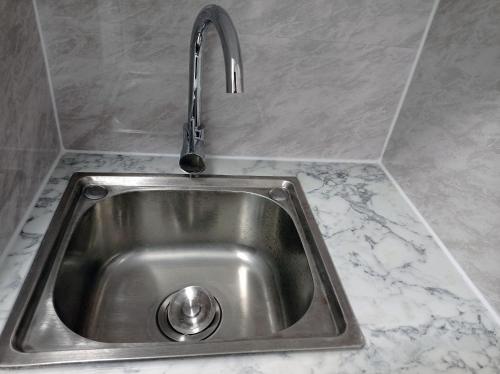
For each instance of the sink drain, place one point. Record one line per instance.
(190, 314)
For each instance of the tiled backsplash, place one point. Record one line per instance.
(322, 78)
(445, 149)
(28, 134)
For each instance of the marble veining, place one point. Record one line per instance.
(416, 312)
(28, 134)
(324, 76)
(445, 149)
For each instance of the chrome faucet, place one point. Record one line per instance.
(192, 158)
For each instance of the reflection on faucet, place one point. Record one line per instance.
(192, 159)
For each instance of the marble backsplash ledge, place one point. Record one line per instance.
(322, 80)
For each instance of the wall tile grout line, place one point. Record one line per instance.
(224, 157)
(494, 314)
(410, 79)
(15, 235)
(49, 76)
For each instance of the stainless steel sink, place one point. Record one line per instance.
(151, 266)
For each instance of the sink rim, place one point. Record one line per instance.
(351, 337)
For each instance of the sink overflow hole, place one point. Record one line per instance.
(95, 192)
(279, 194)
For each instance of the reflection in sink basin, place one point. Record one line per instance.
(121, 245)
(129, 251)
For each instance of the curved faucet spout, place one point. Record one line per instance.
(192, 158)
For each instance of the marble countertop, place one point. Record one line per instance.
(417, 313)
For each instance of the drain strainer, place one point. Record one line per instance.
(190, 314)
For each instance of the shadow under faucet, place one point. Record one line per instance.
(192, 158)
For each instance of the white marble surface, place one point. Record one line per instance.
(416, 312)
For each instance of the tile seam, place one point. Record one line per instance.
(475, 290)
(49, 76)
(226, 157)
(406, 88)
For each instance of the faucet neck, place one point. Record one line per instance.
(192, 156)
(194, 106)
(213, 14)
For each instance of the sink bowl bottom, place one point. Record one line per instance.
(246, 285)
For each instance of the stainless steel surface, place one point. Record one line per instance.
(167, 329)
(191, 310)
(97, 288)
(192, 159)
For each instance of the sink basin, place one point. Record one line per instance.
(121, 248)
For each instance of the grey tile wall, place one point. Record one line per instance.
(323, 77)
(28, 135)
(445, 149)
